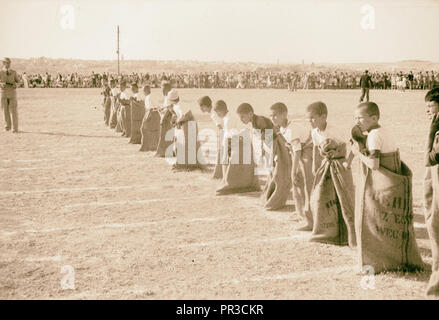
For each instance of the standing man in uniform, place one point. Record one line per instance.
(9, 79)
(365, 84)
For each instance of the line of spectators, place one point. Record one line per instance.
(280, 80)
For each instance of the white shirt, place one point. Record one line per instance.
(148, 102)
(233, 125)
(380, 139)
(115, 91)
(126, 94)
(296, 133)
(217, 120)
(329, 133)
(139, 96)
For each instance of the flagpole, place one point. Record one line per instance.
(118, 65)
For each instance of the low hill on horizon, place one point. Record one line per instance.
(42, 65)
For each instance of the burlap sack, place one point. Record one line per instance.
(119, 124)
(384, 217)
(278, 185)
(137, 114)
(238, 175)
(431, 212)
(150, 131)
(126, 120)
(107, 110)
(165, 126)
(113, 115)
(305, 180)
(218, 170)
(186, 143)
(332, 200)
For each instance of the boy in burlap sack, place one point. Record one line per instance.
(125, 111)
(299, 142)
(205, 104)
(186, 135)
(114, 95)
(137, 114)
(166, 127)
(106, 91)
(150, 128)
(278, 185)
(238, 163)
(431, 187)
(332, 195)
(383, 213)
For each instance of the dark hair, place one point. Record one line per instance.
(220, 105)
(432, 95)
(279, 107)
(371, 108)
(244, 108)
(318, 108)
(205, 101)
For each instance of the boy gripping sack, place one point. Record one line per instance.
(383, 213)
(238, 163)
(150, 128)
(332, 197)
(431, 187)
(299, 142)
(205, 104)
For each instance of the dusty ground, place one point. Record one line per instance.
(74, 193)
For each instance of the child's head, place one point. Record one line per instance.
(112, 83)
(367, 115)
(123, 85)
(220, 108)
(317, 113)
(432, 102)
(205, 104)
(166, 87)
(245, 112)
(279, 114)
(134, 87)
(146, 90)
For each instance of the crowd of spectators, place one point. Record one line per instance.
(280, 80)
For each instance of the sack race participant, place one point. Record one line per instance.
(137, 114)
(431, 187)
(125, 111)
(384, 215)
(205, 104)
(332, 195)
(186, 135)
(106, 103)
(150, 128)
(278, 185)
(119, 125)
(238, 162)
(298, 140)
(114, 95)
(166, 136)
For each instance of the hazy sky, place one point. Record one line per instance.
(222, 30)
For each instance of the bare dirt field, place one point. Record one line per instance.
(74, 193)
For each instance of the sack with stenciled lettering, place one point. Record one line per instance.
(150, 131)
(278, 186)
(384, 217)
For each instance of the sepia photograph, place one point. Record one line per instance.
(222, 153)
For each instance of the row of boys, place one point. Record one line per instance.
(377, 217)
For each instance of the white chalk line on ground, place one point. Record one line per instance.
(302, 235)
(127, 202)
(97, 188)
(120, 225)
(293, 275)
